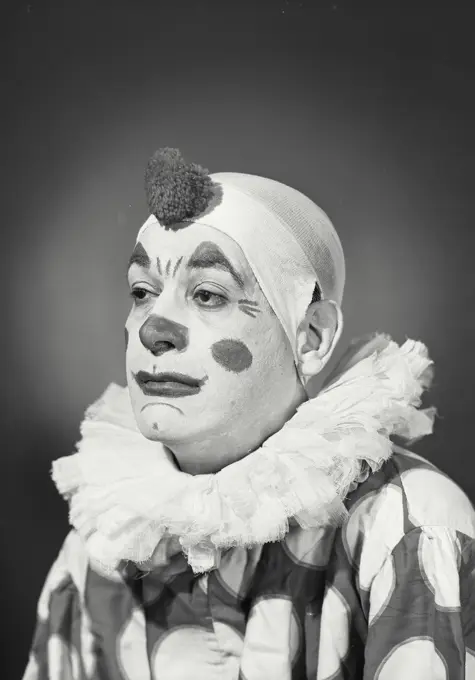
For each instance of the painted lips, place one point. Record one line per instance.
(167, 384)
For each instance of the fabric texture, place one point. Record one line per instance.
(371, 579)
(130, 506)
(289, 242)
(388, 595)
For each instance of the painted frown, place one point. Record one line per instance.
(201, 325)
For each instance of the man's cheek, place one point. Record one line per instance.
(131, 331)
(133, 348)
(232, 355)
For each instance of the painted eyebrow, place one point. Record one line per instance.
(139, 256)
(208, 255)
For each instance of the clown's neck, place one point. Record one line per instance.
(214, 452)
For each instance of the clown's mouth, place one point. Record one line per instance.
(167, 384)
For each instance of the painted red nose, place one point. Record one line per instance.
(160, 335)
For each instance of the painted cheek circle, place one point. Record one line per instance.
(232, 355)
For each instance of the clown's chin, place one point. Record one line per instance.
(159, 420)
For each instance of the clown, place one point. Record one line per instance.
(228, 522)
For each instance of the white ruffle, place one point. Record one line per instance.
(128, 500)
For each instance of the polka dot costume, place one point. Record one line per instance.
(389, 595)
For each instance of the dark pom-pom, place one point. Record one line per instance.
(176, 190)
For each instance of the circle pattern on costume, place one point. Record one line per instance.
(470, 665)
(230, 642)
(438, 567)
(88, 655)
(188, 652)
(334, 634)
(309, 547)
(419, 657)
(377, 521)
(63, 660)
(432, 497)
(131, 649)
(57, 575)
(273, 638)
(382, 589)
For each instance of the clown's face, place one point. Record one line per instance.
(208, 363)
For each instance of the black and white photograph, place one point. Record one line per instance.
(239, 340)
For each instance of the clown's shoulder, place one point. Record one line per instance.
(68, 571)
(408, 496)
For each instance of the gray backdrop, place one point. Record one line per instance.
(366, 106)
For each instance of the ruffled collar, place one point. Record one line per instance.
(129, 501)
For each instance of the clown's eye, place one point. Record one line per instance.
(139, 294)
(206, 298)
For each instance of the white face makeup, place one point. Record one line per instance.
(200, 325)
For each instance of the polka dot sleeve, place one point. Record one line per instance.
(60, 642)
(421, 620)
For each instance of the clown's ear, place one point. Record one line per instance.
(318, 335)
(176, 191)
